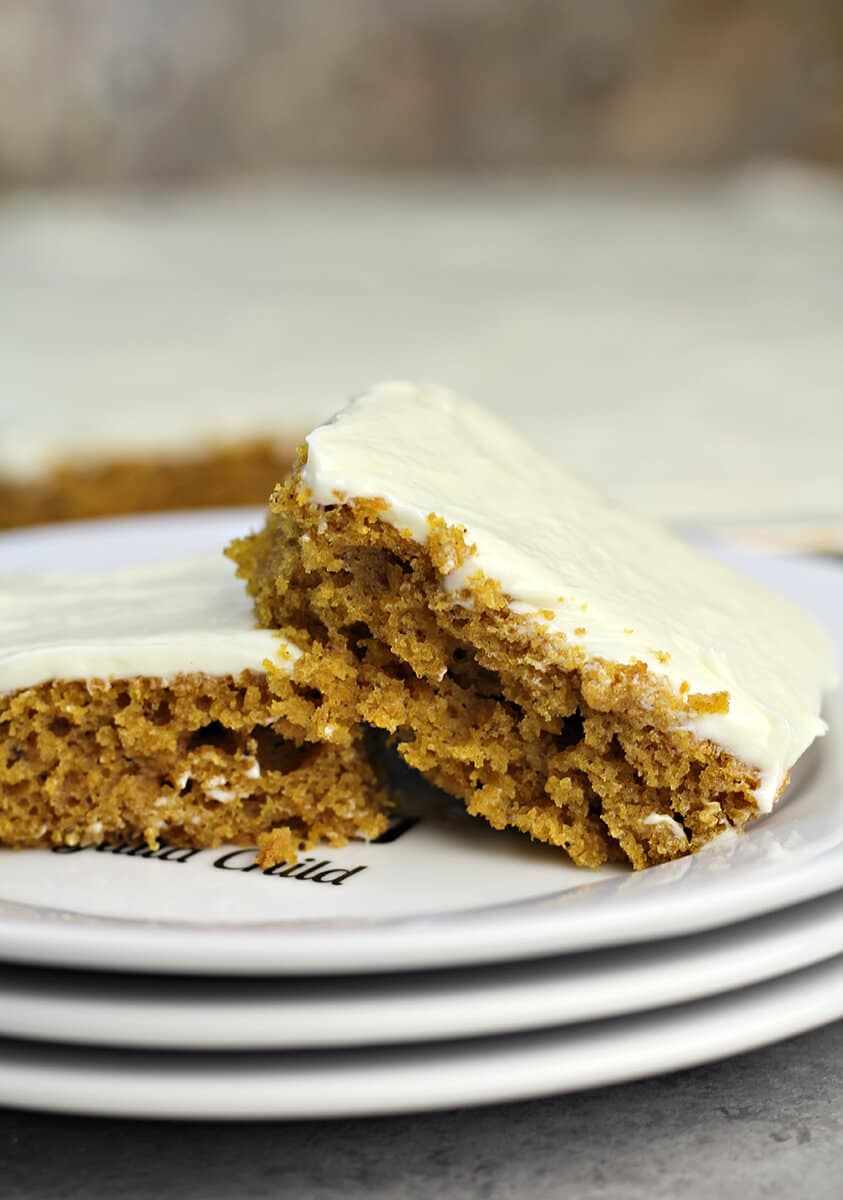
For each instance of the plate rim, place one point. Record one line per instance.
(534, 927)
(405, 1079)
(242, 950)
(277, 1014)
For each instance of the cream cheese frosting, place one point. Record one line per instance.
(608, 580)
(160, 621)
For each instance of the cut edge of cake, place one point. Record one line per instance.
(488, 679)
(235, 473)
(157, 731)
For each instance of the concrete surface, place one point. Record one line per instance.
(767, 1124)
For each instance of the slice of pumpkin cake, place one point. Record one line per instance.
(144, 703)
(562, 666)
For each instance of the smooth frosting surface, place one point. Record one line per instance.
(162, 621)
(614, 582)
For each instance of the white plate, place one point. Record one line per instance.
(206, 1014)
(347, 1083)
(449, 892)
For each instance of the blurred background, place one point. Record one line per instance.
(618, 223)
(145, 92)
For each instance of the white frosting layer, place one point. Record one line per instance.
(614, 583)
(159, 621)
(673, 825)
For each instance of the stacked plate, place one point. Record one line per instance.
(447, 964)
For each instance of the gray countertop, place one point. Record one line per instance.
(767, 1124)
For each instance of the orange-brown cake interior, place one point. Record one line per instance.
(194, 761)
(587, 755)
(237, 474)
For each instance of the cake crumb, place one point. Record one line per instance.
(301, 792)
(489, 704)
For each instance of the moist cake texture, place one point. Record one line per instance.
(562, 666)
(144, 704)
